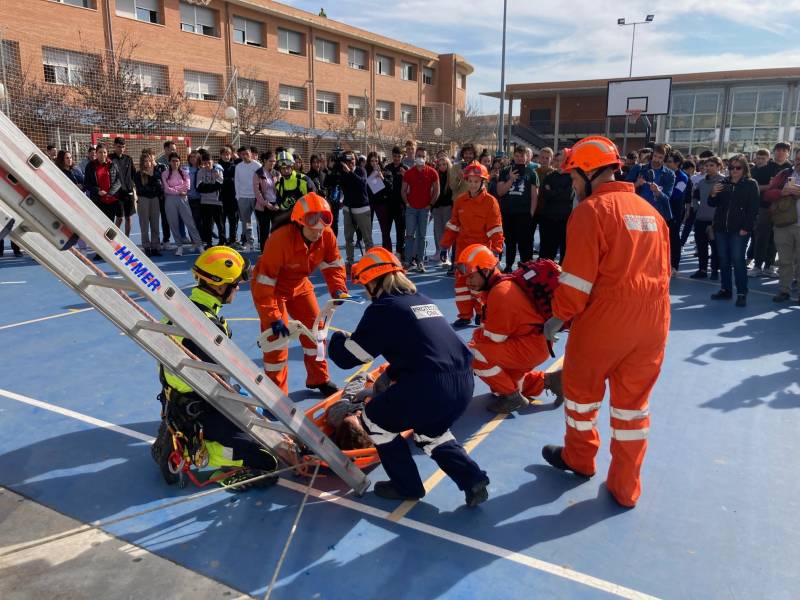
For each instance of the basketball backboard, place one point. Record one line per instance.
(650, 96)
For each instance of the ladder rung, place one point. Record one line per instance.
(188, 363)
(264, 423)
(158, 327)
(248, 400)
(117, 284)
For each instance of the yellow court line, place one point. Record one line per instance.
(434, 480)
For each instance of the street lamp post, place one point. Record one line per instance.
(439, 132)
(622, 23)
(500, 124)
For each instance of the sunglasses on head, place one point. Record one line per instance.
(311, 219)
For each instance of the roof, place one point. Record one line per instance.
(306, 18)
(522, 90)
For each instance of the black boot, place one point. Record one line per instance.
(326, 389)
(552, 383)
(741, 300)
(552, 454)
(722, 295)
(160, 451)
(477, 493)
(507, 403)
(386, 489)
(461, 323)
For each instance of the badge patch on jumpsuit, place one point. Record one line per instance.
(641, 222)
(426, 311)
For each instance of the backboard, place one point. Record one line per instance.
(651, 96)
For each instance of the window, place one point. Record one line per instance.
(461, 81)
(201, 86)
(150, 79)
(356, 106)
(327, 102)
(248, 32)
(64, 67)
(408, 114)
(251, 92)
(81, 3)
(384, 65)
(407, 72)
(141, 10)
(427, 75)
(384, 110)
(290, 42)
(198, 19)
(755, 118)
(694, 119)
(292, 98)
(326, 51)
(356, 58)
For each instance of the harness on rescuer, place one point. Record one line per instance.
(539, 280)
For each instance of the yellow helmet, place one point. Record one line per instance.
(221, 264)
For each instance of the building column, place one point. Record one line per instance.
(312, 101)
(787, 123)
(726, 101)
(661, 121)
(608, 127)
(510, 120)
(556, 120)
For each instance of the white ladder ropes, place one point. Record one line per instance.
(45, 213)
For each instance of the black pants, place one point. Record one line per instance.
(428, 403)
(702, 242)
(217, 428)
(518, 231)
(230, 215)
(553, 237)
(264, 219)
(688, 225)
(675, 243)
(210, 215)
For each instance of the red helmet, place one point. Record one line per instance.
(312, 209)
(591, 153)
(476, 168)
(474, 257)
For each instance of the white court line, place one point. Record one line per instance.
(76, 415)
(58, 316)
(11, 282)
(438, 532)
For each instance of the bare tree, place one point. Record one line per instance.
(469, 126)
(117, 94)
(257, 107)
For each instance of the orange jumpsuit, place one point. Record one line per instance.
(473, 221)
(280, 285)
(508, 344)
(615, 288)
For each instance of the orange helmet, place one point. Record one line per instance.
(312, 209)
(474, 257)
(376, 262)
(476, 168)
(591, 153)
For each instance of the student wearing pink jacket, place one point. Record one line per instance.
(176, 183)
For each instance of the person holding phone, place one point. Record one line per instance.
(736, 199)
(517, 192)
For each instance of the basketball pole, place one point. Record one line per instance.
(623, 23)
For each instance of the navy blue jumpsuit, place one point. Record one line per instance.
(431, 368)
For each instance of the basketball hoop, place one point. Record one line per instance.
(633, 115)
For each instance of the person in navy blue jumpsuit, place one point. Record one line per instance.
(430, 380)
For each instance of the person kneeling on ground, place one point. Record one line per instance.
(218, 272)
(432, 381)
(509, 343)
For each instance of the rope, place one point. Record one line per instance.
(292, 531)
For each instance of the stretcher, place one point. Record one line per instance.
(364, 457)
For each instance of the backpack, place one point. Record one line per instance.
(539, 280)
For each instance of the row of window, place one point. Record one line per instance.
(65, 67)
(203, 20)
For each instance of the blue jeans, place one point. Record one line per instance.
(731, 253)
(416, 228)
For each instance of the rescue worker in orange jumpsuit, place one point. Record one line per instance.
(281, 286)
(509, 343)
(475, 220)
(615, 289)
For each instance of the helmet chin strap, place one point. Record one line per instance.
(587, 181)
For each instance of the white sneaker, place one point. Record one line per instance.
(750, 264)
(755, 272)
(421, 268)
(179, 251)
